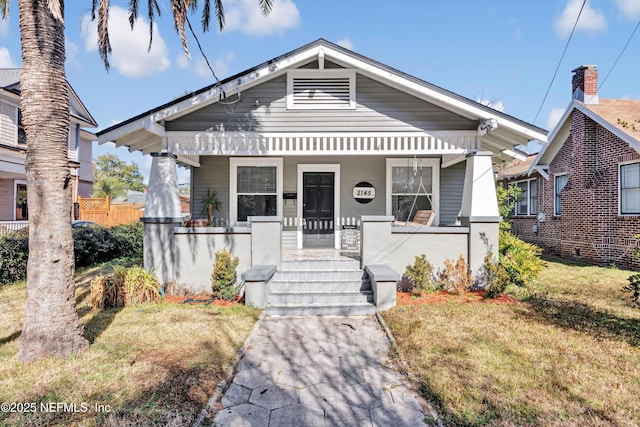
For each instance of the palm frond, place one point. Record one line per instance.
(133, 12)
(266, 6)
(179, 10)
(104, 44)
(4, 8)
(152, 6)
(220, 14)
(56, 8)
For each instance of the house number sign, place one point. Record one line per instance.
(364, 192)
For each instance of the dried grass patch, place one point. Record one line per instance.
(568, 354)
(152, 363)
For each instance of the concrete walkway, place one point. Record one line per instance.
(318, 371)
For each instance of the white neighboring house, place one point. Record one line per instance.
(13, 148)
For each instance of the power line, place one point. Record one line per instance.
(619, 56)
(559, 62)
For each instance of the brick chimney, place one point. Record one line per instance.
(585, 84)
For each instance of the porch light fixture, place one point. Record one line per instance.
(487, 126)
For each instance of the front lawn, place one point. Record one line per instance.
(566, 354)
(147, 364)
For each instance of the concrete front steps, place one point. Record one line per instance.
(320, 287)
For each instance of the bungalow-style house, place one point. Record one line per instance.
(581, 194)
(322, 148)
(13, 148)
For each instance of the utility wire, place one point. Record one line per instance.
(559, 62)
(619, 56)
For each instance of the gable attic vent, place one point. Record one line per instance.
(321, 89)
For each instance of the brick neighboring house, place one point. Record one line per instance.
(581, 193)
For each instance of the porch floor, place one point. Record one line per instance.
(319, 255)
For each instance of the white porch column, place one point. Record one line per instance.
(480, 209)
(161, 214)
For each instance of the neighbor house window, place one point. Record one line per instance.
(22, 135)
(630, 189)
(527, 203)
(405, 195)
(256, 188)
(560, 181)
(22, 213)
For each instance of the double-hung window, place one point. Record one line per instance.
(405, 195)
(559, 182)
(527, 203)
(630, 189)
(256, 188)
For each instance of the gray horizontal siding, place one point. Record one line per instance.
(8, 125)
(7, 203)
(451, 186)
(380, 108)
(213, 174)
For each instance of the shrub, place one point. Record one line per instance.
(223, 278)
(455, 276)
(14, 252)
(495, 276)
(125, 286)
(94, 245)
(420, 273)
(634, 288)
(132, 237)
(520, 259)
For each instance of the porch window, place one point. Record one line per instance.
(527, 203)
(630, 189)
(256, 188)
(405, 194)
(560, 181)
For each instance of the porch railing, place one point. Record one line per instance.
(7, 226)
(248, 143)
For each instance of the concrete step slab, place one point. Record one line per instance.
(319, 286)
(320, 309)
(320, 297)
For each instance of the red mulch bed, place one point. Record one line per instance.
(200, 299)
(443, 297)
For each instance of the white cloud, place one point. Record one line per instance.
(4, 26)
(5, 59)
(496, 104)
(554, 117)
(199, 66)
(590, 20)
(346, 43)
(245, 16)
(71, 50)
(629, 8)
(130, 56)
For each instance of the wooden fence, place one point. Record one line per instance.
(102, 211)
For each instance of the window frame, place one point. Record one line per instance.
(620, 166)
(433, 163)
(530, 212)
(234, 163)
(555, 192)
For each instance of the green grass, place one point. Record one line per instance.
(147, 364)
(567, 354)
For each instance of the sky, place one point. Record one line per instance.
(503, 52)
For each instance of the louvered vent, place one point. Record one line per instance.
(317, 90)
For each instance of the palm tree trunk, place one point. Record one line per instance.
(51, 325)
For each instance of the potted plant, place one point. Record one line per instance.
(211, 203)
